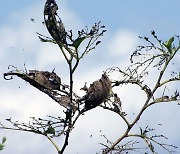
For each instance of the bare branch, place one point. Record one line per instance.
(131, 75)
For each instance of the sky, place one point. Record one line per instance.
(125, 20)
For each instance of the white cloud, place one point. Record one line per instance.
(26, 102)
(22, 35)
(69, 18)
(48, 54)
(8, 40)
(124, 41)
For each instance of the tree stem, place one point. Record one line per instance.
(55, 145)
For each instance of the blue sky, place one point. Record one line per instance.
(125, 20)
(159, 15)
(135, 15)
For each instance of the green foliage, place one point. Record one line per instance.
(2, 143)
(45, 39)
(50, 130)
(168, 44)
(78, 41)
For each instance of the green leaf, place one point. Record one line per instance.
(50, 130)
(1, 147)
(78, 41)
(43, 40)
(46, 40)
(170, 41)
(168, 44)
(3, 140)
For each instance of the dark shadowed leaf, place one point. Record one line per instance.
(78, 41)
(50, 130)
(98, 42)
